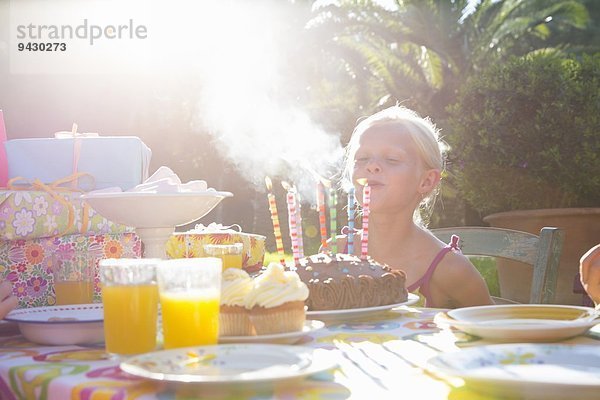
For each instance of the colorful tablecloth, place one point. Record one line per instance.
(383, 356)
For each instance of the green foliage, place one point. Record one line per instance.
(274, 257)
(487, 268)
(420, 51)
(526, 134)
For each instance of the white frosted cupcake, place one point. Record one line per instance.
(276, 302)
(234, 317)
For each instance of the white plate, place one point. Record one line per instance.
(352, 313)
(520, 322)
(546, 371)
(61, 325)
(280, 338)
(230, 363)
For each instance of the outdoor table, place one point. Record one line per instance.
(379, 356)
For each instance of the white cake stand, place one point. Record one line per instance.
(154, 215)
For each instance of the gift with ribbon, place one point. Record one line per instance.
(191, 243)
(113, 161)
(35, 209)
(28, 264)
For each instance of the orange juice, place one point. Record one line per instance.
(190, 318)
(231, 260)
(74, 292)
(130, 318)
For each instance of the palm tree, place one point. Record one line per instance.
(422, 50)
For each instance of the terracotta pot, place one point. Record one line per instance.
(581, 228)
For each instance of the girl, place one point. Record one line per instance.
(400, 156)
(589, 272)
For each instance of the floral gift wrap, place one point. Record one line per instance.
(190, 244)
(30, 214)
(28, 263)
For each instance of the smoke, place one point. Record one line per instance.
(243, 100)
(267, 140)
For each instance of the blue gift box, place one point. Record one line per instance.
(121, 161)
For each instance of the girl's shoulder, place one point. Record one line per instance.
(450, 260)
(455, 268)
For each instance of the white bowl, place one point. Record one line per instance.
(154, 210)
(61, 325)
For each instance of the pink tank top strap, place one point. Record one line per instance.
(423, 283)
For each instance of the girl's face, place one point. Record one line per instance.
(388, 158)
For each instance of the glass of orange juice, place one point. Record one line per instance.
(190, 290)
(130, 298)
(230, 254)
(73, 279)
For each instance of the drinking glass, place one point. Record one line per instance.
(190, 290)
(230, 254)
(73, 279)
(130, 298)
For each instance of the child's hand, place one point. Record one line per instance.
(589, 269)
(7, 300)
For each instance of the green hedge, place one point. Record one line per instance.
(526, 134)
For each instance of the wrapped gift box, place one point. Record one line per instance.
(26, 214)
(121, 161)
(28, 263)
(190, 244)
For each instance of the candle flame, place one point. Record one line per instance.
(287, 186)
(362, 181)
(268, 183)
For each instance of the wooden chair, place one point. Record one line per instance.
(542, 252)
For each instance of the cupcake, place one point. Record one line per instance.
(234, 317)
(276, 303)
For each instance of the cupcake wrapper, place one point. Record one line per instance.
(285, 318)
(235, 325)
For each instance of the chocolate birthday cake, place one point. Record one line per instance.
(344, 281)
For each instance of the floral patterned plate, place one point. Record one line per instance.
(229, 364)
(352, 313)
(531, 371)
(61, 325)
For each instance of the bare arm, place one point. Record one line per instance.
(457, 283)
(7, 300)
(589, 268)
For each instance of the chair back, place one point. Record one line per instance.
(541, 252)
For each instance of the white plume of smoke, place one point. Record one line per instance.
(266, 140)
(241, 104)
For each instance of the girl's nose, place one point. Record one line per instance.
(373, 166)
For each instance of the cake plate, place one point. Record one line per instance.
(154, 215)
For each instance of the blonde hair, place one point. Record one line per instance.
(425, 136)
